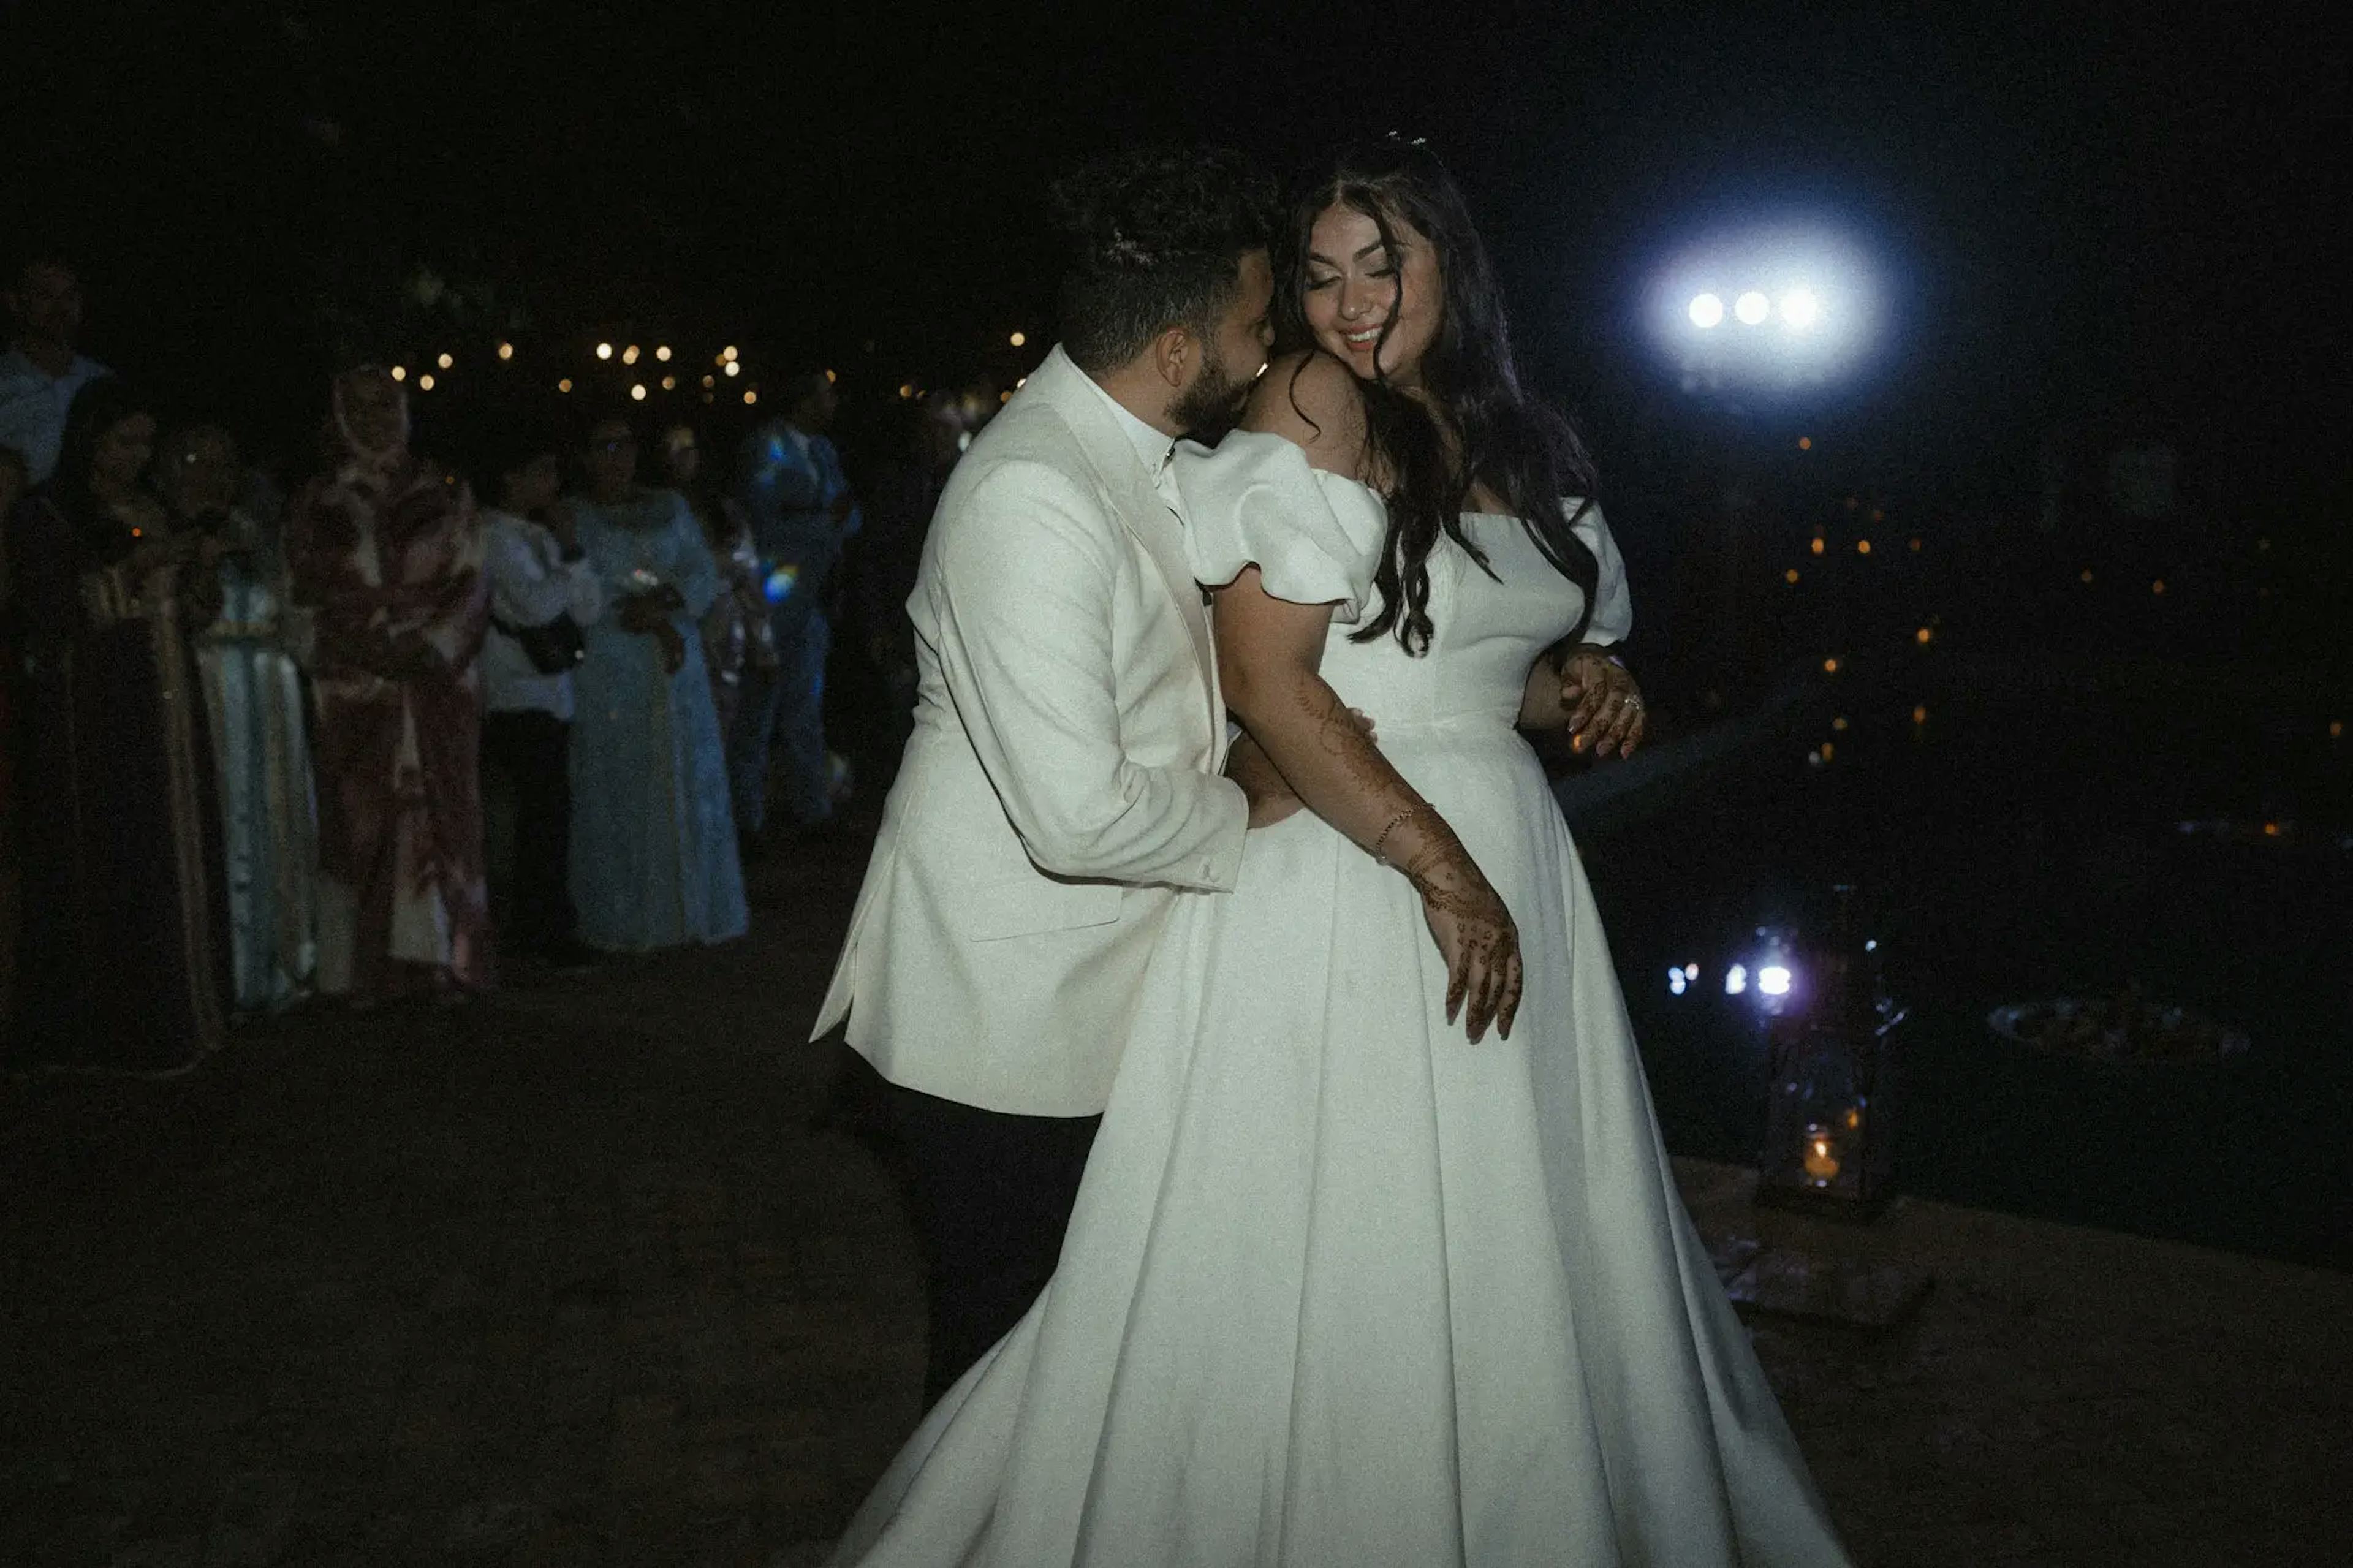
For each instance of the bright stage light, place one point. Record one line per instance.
(1773, 980)
(1735, 980)
(1809, 298)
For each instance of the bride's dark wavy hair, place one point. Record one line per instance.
(1517, 446)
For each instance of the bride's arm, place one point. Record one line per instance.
(1270, 662)
(1270, 652)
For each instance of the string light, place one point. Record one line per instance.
(629, 355)
(1805, 443)
(564, 386)
(400, 372)
(1915, 547)
(445, 362)
(1830, 666)
(661, 353)
(2157, 586)
(1816, 545)
(751, 394)
(734, 367)
(637, 392)
(2337, 729)
(1919, 715)
(1838, 723)
(906, 389)
(506, 351)
(1019, 337)
(709, 381)
(1790, 575)
(727, 355)
(1862, 547)
(670, 383)
(1924, 636)
(425, 383)
(603, 350)
(830, 378)
(2085, 576)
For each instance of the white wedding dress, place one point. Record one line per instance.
(1342, 1290)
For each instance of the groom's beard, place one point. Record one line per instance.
(1212, 406)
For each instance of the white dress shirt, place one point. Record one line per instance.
(531, 585)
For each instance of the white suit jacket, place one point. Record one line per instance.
(1061, 787)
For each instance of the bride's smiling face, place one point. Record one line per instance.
(1352, 289)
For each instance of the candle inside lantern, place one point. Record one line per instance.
(1821, 1158)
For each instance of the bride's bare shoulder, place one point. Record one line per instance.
(1311, 400)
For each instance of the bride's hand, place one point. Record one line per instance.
(1605, 706)
(1476, 938)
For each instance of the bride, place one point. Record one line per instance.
(1378, 1259)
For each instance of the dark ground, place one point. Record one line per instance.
(566, 1277)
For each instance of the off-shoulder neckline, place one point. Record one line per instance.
(1377, 496)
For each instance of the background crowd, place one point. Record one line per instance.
(412, 713)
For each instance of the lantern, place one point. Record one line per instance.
(1828, 1132)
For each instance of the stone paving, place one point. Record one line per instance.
(569, 1277)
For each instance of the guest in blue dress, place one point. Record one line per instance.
(653, 839)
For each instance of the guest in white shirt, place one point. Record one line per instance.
(40, 372)
(539, 582)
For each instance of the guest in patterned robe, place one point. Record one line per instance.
(253, 706)
(119, 962)
(385, 552)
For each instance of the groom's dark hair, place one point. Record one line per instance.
(1156, 235)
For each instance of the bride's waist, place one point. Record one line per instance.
(1446, 729)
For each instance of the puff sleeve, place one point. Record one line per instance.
(1314, 537)
(1613, 610)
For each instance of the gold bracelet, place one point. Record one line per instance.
(1383, 836)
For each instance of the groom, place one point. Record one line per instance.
(1062, 782)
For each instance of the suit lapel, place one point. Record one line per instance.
(1141, 510)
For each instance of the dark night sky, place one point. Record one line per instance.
(2083, 207)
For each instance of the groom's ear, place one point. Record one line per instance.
(1174, 354)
